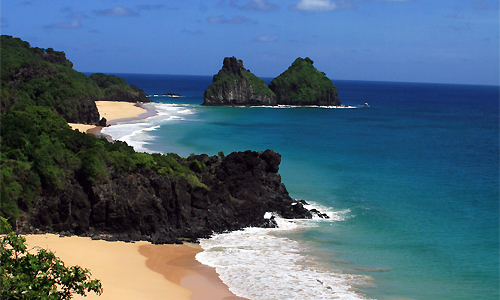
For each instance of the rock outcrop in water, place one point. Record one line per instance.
(236, 192)
(236, 86)
(301, 84)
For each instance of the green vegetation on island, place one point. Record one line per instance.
(235, 85)
(303, 84)
(224, 78)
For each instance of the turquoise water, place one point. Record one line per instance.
(412, 181)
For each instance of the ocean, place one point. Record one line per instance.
(411, 184)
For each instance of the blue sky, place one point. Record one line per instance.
(436, 41)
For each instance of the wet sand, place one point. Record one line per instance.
(177, 264)
(138, 270)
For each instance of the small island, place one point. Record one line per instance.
(236, 86)
(300, 85)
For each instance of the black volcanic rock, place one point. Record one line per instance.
(238, 190)
(302, 84)
(236, 86)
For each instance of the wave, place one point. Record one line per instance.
(136, 133)
(259, 263)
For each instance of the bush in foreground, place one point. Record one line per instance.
(38, 276)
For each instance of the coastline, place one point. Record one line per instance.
(165, 270)
(115, 112)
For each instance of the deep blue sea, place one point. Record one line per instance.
(411, 184)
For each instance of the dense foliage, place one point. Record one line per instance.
(35, 76)
(24, 275)
(115, 88)
(41, 155)
(44, 77)
(302, 83)
(258, 85)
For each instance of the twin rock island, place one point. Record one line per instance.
(300, 85)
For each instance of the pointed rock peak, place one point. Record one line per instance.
(303, 61)
(232, 65)
(307, 60)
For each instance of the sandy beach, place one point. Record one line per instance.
(114, 111)
(138, 270)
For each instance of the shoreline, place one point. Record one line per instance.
(116, 112)
(138, 270)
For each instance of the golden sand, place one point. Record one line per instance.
(120, 267)
(113, 111)
(116, 110)
(138, 270)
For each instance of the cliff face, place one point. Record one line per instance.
(234, 85)
(303, 84)
(237, 190)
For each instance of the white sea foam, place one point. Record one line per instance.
(259, 264)
(135, 133)
(334, 215)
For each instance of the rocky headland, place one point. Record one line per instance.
(300, 85)
(233, 192)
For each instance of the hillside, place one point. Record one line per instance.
(35, 76)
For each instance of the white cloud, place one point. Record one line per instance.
(77, 16)
(257, 5)
(233, 20)
(75, 24)
(314, 5)
(117, 11)
(150, 7)
(192, 32)
(266, 39)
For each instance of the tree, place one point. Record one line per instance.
(40, 276)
